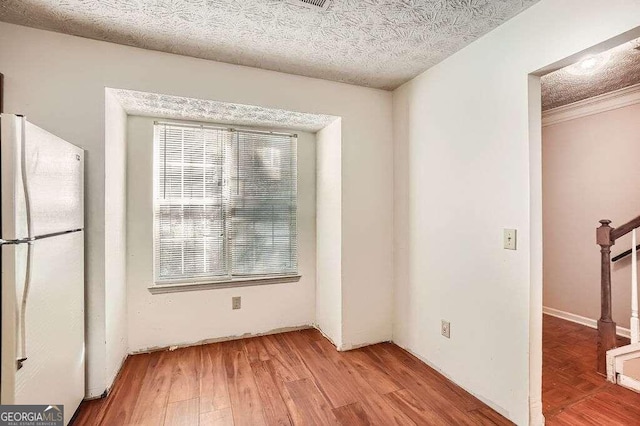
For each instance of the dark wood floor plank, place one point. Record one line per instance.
(405, 402)
(152, 401)
(367, 381)
(627, 402)
(125, 391)
(435, 394)
(274, 406)
(214, 391)
(285, 358)
(182, 413)
(89, 412)
(255, 349)
(351, 415)
(485, 416)
(604, 411)
(382, 412)
(372, 373)
(331, 379)
(315, 408)
(185, 380)
(427, 376)
(243, 392)
(295, 415)
(222, 417)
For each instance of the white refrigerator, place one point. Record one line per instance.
(42, 259)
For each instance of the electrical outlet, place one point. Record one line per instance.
(445, 329)
(510, 239)
(236, 302)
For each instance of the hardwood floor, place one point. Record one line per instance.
(291, 378)
(299, 378)
(572, 392)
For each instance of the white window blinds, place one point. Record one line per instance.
(225, 203)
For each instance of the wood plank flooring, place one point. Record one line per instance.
(295, 378)
(572, 392)
(299, 378)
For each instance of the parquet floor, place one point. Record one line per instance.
(572, 392)
(291, 378)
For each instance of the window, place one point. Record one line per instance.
(224, 204)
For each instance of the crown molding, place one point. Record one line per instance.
(609, 101)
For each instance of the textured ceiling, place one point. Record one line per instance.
(615, 69)
(376, 43)
(176, 107)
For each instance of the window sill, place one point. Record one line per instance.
(236, 282)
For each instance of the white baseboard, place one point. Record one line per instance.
(536, 418)
(578, 319)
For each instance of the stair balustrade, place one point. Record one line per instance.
(606, 237)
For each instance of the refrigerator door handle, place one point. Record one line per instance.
(9, 335)
(13, 242)
(36, 238)
(21, 326)
(25, 175)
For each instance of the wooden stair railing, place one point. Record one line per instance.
(606, 236)
(624, 254)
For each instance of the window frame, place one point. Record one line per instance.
(160, 286)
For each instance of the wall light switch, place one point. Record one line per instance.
(510, 239)
(445, 329)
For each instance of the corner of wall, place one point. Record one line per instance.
(115, 237)
(329, 315)
(535, 254)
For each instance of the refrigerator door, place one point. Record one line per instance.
(54, 370)
(14, 259)
(54, 176)
(42, 181)
(14, 206)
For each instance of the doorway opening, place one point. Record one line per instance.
(590, 145)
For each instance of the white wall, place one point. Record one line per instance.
(115, 243)
(58, 81)
(463, 172)
(160, 320)
(590, 172)
(329, 232)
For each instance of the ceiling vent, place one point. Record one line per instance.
(312, 4)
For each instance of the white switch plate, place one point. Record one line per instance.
(510, 239)
(445, 329)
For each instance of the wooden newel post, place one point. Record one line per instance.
(606, 326)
